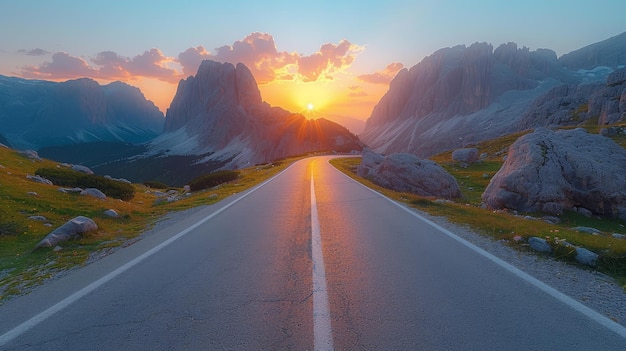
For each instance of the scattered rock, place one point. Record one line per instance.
(187, 189)
(111, 213)
(618, 236)
(39, 179)
(585, 212)
(409, 173)
(588, 230)
(539, 244)
(71, 229)
(551, 219)
(486, 175)
(32, 193)
(586, 257)
(71, 191)
(552, 171)
(57, 248)
(468, 155)
(38, 218)
(213, 196)
(30, 154)
(94, 192)
(121, 180)
(82, 169)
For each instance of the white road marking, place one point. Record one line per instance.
(322, 331)
(24, 327)
(590, 313)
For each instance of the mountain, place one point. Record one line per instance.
(463, 95)
(218, 120)
(219, 112)
(608, 53)
(35, 114)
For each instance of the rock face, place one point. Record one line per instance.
(460, 95)
(36, 114)
(574, 104)
(408, 173)
(71, 229)
(464, 95)
(219, 111)
(564, 170)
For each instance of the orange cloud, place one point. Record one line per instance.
(356, 91)
(109, 66)
(382, 77)
(62, 66)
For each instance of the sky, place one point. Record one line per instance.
(337, 57)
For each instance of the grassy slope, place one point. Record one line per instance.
(21, 268)
(503, 225)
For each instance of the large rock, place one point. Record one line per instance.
(555, 171)
(71, 229)
(219, 112)
(409, 173)
(467, 155)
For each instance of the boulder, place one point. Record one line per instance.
(549, 171)
(82, 169)
(71, 229)
(467, 155)
(539, 244)
(30, 154)
(94, 192)
(409, 173)
(111, 213)
(586, 257)
(39, 179)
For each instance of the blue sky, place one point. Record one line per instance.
(380, 32)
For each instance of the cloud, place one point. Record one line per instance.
(259, 53)
(191, 58)
(382, 77)
(107, 65)
(33, 52)
(151, 64)
(62, 65)
(356, 91)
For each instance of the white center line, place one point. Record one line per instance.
(322, 332)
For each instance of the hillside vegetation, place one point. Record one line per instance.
(21, 268)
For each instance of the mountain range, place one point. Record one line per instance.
(463, 95)
(217, 119)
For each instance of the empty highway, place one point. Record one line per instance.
(310, 260)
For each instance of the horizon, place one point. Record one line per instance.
(330, 55)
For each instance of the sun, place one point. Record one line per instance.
(310, 107)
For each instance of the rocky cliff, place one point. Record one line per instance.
(463, 95)
(36, 114)
(219, 112)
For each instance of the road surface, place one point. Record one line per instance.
(309, 260)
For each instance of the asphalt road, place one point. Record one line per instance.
(297, 264)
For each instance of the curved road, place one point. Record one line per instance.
(309, 260)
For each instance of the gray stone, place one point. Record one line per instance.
(111, 213)
(409, 173)
(30, 154)
(618, 236)
(38, 218)
(587, 230)
(583, 211)
(213, 196)
(539, 244)
(71, 229)
(94, 192)
(586, 257)
(550, 172)
(71, 191)
(32, 193)
(39, 179)
(82, 169)
(468, 155)
(551, 219)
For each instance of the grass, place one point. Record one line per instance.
(22, 268)
(505, 225)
